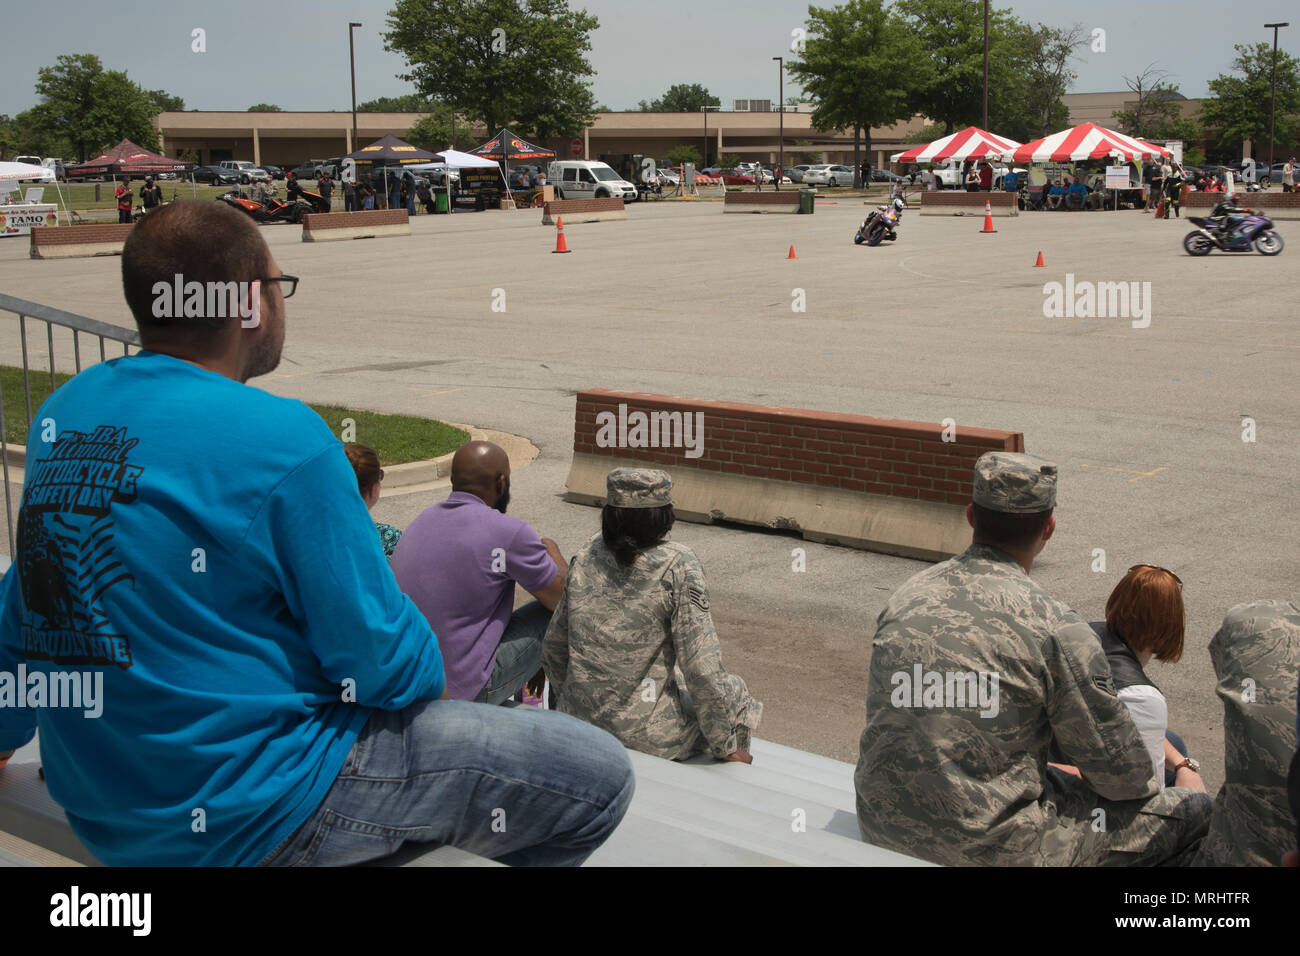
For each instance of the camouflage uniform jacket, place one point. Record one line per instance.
(944, 783)
(1256, 655)
(633, 650)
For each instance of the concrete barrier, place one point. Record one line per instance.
(67, 242)
(366, 224)
(770, 201)
(874, 483)
(955, 202)
(582, 210)
(1272, 203)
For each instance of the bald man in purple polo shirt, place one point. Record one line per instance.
(459, 562)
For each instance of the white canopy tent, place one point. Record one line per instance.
(455, 159)
(12, 173)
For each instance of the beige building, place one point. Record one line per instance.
(286, 139)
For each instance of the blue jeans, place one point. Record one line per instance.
(519, 655)
(522, 786)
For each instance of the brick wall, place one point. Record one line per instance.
(769, 198)
(568, 207)
(64, 235)
(881, 456)
(956, 197)
(1271, 199)
(345, 220)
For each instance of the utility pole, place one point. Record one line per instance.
(352, 58)
(986, 64)
(780, 106)
(1272, 105)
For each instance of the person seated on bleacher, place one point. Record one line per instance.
(460, 560)
(1144, 620)
(370, 476)
(977, 676)
(632, 647)
(263, 675)
(1056, 195)
(1076, 196)
(1255, 655)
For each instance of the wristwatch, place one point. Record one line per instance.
(1190, 764)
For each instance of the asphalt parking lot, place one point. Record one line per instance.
(1146, 423)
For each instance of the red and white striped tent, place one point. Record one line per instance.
(967, 144)
(1085, 141)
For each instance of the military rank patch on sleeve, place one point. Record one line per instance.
(1105, 682)
(698, 597)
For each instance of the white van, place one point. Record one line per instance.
(583, 179)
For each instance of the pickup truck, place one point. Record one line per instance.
(247, 171)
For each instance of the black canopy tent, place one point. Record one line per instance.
(390, 151)
(505, 146)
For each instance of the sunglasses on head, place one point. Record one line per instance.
(1156, 567)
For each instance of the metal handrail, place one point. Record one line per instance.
(79, 324)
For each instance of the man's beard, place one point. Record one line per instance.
(504, 501)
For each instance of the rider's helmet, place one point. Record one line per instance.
(899, 204)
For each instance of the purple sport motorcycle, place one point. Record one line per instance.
(1239, 234)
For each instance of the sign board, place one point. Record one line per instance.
(484, 179)
(20, 219)
(575, 147)
(688, 175)
(1117, 177)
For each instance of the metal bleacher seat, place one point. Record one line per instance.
(789, 808)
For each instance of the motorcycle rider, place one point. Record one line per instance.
(1227, 214)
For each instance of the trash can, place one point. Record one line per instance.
(440, 203)
(806, 201)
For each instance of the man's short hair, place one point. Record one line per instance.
(1003, 529)
(200, 242)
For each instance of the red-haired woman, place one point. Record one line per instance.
(1144, 620)
(369, 477)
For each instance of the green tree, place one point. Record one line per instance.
(683, 154)
(952, 39)
(88, 109)
(728, 160)
(164, 102)
(807, 157)
(500, 61)
(1240, 107)
(436, 131)
(862, 67)
(1155, 103)
(1038, 77)
(410, 103)
(681, 98)
(264, 108)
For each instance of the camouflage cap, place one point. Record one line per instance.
(1014, 483)
(638, 488)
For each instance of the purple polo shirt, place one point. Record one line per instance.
(459, 561)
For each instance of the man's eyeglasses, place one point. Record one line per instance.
(1156, 567)
(289, 284)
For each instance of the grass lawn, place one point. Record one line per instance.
(396, 438)
(81, 196)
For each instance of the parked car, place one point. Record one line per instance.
(1242, 169)
(796, 172)
(307, 170)
(246, 171)
(668, 176)
(216, 175)
(275, 171)
(582, 179)
(735, 177)
(885, 176)
(829, 176)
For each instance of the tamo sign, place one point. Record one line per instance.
(18, 220)
(575, 147)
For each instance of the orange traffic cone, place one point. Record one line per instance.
(560, 244)
(791, 254)
(988, 218)
(1039, 263)
(1160, 210)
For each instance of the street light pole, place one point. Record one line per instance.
(1272, 103)
(780, 107)
(352, 58)
(705, 111)
(986, 64)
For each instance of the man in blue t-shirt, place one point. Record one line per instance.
(199, 547)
